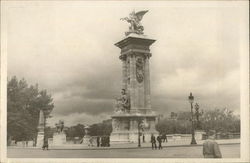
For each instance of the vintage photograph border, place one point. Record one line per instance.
(244, 83)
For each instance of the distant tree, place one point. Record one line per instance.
(23, 105)
(186, 116)
(75, 131)
(173, 126)
(99, 129)
(221, 120)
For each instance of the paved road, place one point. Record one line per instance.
(228, 151)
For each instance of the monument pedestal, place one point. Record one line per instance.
(86, 140)
(126, 128)
(59, 139)
(40, 139)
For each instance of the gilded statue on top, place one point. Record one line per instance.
(135, 22)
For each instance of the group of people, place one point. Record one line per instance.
(103, 141)
(45, 144)
(153, 141)
(210, 146)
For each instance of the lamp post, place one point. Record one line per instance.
(141, 125)
(191, 100)
(139, 132)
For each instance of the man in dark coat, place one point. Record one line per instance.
(164, 138)
(108, 141)
(98, 141)
(45, 144)
(210, 147)
(159, 141)
(143, 138)
(153, 141)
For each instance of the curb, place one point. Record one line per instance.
(111, 148)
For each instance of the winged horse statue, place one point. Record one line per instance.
(135, 22)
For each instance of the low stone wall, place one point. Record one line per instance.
(24, 143)
(178, 137)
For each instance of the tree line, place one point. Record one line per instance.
(24, 102)
(23, 105)
(220, 120)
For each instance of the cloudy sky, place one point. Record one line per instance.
(68, 49)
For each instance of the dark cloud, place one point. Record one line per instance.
(72, 55)
(81, 105)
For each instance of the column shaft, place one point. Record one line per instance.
(132, 81)
(124, 73)
(147, 84)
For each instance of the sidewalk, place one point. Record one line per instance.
(183, 143)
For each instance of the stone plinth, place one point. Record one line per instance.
(40, 139)
(125, 128)
(85, 139)
(59, 139)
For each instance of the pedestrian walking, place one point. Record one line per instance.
(108, 141)
(164, 138)
(91, 142)
(153, 141)
(45, 144)
(159, 141)
(102, 141)
(98, 141)
(210, 147)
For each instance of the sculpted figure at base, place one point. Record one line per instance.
(135, 21)
(59, 126)
(122, 103)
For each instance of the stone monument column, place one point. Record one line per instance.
(135, 54)
(147, 83)
(124, 72)
(135, 48)
(132, 83)
(40, 135)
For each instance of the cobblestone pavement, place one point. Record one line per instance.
(228, 151)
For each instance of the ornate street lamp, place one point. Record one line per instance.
(191, 100)
(139, 133)
(141, 125)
